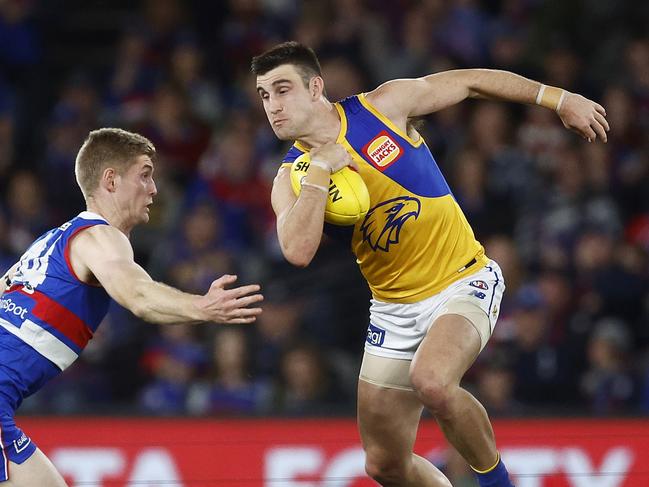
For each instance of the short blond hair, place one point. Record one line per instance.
(108, 147)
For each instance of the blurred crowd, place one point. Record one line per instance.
(568, 221)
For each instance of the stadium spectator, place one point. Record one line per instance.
(306, 384)
(229, 388)
(543, 370)
(608, 384)
(174, 360)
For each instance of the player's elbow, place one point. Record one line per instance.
(299, 254)
(299, 259)
(137, 303)
(299, 262)
(140, 309)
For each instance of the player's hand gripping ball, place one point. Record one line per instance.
(348, 200)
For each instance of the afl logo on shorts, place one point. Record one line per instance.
(375, 335)
(383, 151)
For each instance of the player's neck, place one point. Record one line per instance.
(111, 214)
(324, 128)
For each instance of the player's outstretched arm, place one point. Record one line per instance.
(300, 219)
(401, 99)
(107, 254)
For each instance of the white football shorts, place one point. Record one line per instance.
(396, 329)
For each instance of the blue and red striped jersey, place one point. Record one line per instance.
(47, 306)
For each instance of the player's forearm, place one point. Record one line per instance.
(300, 229)
(158, 303)
(501, 85)
(437, 91)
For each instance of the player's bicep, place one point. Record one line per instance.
(108, 255)
(405, 98)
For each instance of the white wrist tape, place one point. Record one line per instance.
(561, 98)
(321, 165)
(550, 97)
(539, 96)
(317, 186)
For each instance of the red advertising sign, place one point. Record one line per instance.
(321, 452)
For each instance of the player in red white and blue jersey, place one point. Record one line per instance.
(54, 298)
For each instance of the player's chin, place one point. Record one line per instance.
(283, 134)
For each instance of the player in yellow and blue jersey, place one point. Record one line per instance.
(436, 295)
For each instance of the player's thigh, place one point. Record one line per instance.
(459, 329)
(37, 470)
(450, 347)
(388, 420)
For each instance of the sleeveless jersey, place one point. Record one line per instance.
(48, 308)
(414, 241)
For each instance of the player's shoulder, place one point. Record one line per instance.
(382, 98)
(101, 238)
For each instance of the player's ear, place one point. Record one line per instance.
(316, 87)
(108, 179)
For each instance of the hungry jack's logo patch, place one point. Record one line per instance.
(383, 150)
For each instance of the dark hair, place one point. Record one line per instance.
(108, 147)
(291, 52)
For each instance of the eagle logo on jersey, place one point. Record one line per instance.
(383, 223)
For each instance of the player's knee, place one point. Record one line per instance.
(436, 393)
(385, 471)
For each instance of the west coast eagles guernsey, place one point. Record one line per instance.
(414, 240)
(47, 316)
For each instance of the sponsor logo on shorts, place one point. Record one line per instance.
(9, 307)
(383, 150)
(21, 443)
(479, 284)
(478, 294)
(375, 335)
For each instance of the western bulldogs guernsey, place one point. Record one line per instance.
(47, 313)
(414, 240)
(47, 317)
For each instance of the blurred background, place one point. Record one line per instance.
(568, 221)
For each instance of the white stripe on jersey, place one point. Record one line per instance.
(43, 342)
(4, 472)
(89, 215)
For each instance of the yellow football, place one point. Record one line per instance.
(348, 199)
